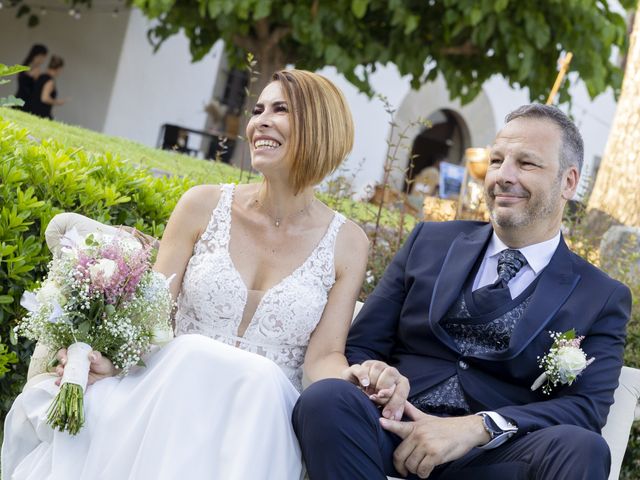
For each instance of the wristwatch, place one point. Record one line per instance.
(490, 426)
(499, 429)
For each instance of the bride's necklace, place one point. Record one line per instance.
(277, 219)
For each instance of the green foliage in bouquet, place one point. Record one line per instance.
(41, 179)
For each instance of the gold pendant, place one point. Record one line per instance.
(277, 223)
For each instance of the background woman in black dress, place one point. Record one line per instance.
(26, 80)
(45, 94)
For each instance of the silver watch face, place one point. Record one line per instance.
(489, 425)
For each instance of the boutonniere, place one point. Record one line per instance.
(564, 362)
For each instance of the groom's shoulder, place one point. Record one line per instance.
(593, 275)
(436, 231)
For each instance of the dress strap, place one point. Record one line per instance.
(334, 228)
(325, 252)
(218, 229)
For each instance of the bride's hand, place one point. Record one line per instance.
(100, 366)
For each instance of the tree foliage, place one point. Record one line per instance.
(467, 41)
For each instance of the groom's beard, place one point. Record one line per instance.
(537, 207)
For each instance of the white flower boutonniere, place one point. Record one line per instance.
(564, 362)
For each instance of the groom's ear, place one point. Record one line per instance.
(570, 180)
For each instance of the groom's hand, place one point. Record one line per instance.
(429, 441)
(384, 384)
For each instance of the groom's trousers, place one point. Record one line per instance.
(339, 430)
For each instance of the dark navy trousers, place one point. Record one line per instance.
(341, 438)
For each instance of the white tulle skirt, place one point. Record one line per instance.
(199, 410)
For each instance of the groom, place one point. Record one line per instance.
(458, 325)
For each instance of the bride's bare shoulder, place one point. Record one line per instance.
(194, 209)
(201, 199)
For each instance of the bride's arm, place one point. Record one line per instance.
(188, 221)
(325, 354)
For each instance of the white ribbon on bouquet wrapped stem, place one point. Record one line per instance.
(66, 412)
(76, 370)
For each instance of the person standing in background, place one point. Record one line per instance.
(27, 79)
(45, 94)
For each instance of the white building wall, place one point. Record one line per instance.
(593, 117)
(372, 123)
(90, 47)
(165, 87)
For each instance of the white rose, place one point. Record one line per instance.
(50, 293)
(571, 361)
(103, 270)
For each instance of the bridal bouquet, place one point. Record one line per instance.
(100, 294)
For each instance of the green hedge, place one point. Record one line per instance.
(39, 180)
(133, 152)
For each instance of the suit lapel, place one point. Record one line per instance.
(556, 283)
(458, 263)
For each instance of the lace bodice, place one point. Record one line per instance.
(213, 296)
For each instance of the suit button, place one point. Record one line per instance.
(463, 365)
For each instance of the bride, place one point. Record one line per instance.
(267, 277)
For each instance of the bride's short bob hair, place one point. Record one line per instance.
(321, 126)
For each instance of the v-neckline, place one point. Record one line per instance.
(286, 277)
(267, 291)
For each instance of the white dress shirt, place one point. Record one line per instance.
(538, 256)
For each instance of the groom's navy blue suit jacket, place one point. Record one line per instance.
(400, 324)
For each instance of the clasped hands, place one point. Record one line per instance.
(427, 440)
(384, 385)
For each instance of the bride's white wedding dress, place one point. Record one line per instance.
(201, 408)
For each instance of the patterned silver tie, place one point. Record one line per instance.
(509, 264)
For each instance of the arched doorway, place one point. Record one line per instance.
(476, 121)
(445, 140)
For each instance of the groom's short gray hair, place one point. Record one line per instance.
(572, 149)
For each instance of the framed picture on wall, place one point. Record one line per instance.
(451, 177)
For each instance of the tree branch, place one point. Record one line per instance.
(262, 28)
(246, 43)
(277, 35)
(467, 49)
